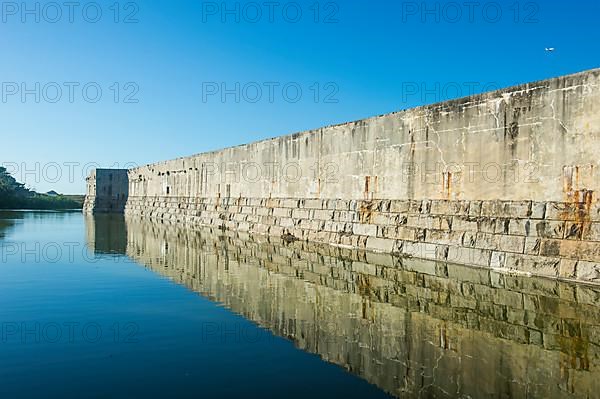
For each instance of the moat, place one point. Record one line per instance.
(110, 306)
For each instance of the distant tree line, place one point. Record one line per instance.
(14, 195)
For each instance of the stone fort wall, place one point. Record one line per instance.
(505, 179)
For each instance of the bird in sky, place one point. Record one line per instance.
(550, 49)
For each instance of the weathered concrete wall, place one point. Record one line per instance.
(534, 142)
(504, 180)
(415, 328)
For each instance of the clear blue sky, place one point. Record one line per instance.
(372, 57)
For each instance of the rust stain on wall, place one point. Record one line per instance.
(371, 187)
(578, 200)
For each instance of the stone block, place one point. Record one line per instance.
(383, 219)
(239, 217)
(588, 271)
(381, 245)
(475, 208)
(559, 211)
(591, 231)
(300, 213)
(583, 250)
(287, 223)
(537, 228)
(469, 239)
(486, 225)
(261, 211)
(500, 242)
(574, 230)
(322, 214)
(502, 226)
(342, 205)
(247, 210)
(334, 226)
(538, 265)
(538, 210)
(353, 205)
(444, 237)
(290, 203)
(506, 209)
(567, 268)
(550, 248)
(424, 222)
(415, 207)
(462, 223)
(461, 208)
(345, 216)
(532, 246)
(401, 233)
(445, 222)
(364, 229)
(399, 206)
(498, 260)
(312, 204)
(441, 207)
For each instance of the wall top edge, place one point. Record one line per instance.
(453, 103)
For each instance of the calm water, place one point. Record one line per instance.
(107, 307)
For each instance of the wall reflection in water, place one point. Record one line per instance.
(414, 328)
